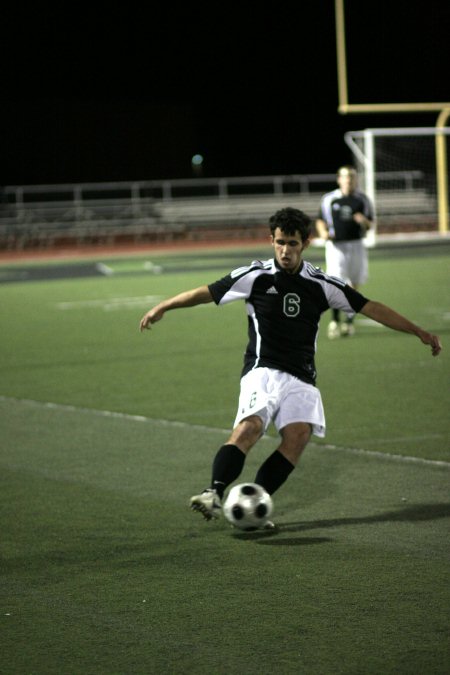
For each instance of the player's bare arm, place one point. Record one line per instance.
(322, 229)
(388, 317)
(196, 296)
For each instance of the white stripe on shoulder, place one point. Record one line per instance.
(255, 265)
(317, 274)
(325, 205)
(244, 278)
(332, 287)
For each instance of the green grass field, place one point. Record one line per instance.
(106, 432)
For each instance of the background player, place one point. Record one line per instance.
(345, 216)
(285, 297)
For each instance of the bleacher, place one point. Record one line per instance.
(104, 213)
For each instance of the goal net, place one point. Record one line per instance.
(398, 169)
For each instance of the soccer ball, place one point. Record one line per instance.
(248, 506)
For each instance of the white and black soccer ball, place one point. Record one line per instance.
(248, 506)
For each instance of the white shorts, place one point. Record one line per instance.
(347, 260)
(280, 398)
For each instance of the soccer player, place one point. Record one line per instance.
(344, 218)
(285, 297)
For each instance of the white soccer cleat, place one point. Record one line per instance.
(333, 330)
(207, 503)
(347, 330)
(270, 525)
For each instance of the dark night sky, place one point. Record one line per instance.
(132, 96)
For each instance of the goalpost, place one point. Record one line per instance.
(398, 171)
(367, 156)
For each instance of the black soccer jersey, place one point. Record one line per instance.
(337, 211)
(283, 312)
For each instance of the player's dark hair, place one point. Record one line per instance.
(346, 167)
(290, 221)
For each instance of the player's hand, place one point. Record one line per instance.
(361, 219)
(433, 341)
(151, 317)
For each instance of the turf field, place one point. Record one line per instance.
(105, 434)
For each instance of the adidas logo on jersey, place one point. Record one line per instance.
(272, 291)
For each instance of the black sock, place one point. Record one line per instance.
(227, 466)
(335, 315)
(275, 470)
(349, 319)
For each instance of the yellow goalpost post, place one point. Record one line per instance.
(442, 108)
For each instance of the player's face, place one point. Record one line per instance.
(347, 181)
(288, 250)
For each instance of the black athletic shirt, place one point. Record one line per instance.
(337, 211)
(283, 312)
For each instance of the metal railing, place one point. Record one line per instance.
(166, 190)
(41, 214)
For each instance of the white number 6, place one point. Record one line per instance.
(291, 305)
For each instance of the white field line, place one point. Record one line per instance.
(385, 455)
(201, 427)
(108, 304)
(111, 303)
(104, 269)
(368, 322)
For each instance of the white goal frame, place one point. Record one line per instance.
(365, 158)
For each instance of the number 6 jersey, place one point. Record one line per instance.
(284, 311)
